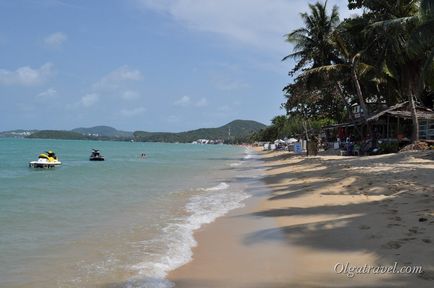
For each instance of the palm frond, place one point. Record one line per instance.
(427, 9)
(363, 68)
(397, 23)
(327, 69)
(419, 43)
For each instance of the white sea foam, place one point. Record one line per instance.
(220, 186)
(235, 164)
(177, 237)
(249, 153)
(248, 156)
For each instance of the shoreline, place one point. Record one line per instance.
(314, 212)
(233, 236)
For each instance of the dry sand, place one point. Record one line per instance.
(315, 212)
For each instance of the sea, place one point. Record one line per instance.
(123, 222)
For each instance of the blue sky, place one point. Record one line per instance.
(154, 65)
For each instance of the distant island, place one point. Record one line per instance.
(237, 131)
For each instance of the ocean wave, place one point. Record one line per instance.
(248, 156)
(249, 153)
(220, 186)
(177, 237)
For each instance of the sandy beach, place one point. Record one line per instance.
(324, 221)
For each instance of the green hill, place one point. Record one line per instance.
(234, 131)
(105, 131)
(57, 134)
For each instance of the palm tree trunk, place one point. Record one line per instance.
(350, 110)
(415, 130)
(419, 89)
(362, 102)
(358, 88)
(412, 85)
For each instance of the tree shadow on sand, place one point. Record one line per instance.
(389, 227)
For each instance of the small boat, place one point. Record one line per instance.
(96, 156)
(45, 160)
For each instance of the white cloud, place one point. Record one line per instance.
(49, 93)
(130, 95)
(113, 85)
(201, 103)
(183, 101)
(89, 99)
(186, 101)
(257, 23)
(26, 75)
(132, 112)
(114, 79)
(55, 40)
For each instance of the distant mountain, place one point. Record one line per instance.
(232, 132)
(57, 134)
(104, 131)
(17, 133)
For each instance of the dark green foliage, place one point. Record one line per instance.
(103, 131)
(286, 127)
(381, 57)
(58, 134)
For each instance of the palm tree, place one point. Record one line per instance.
(349, 66)
(312, 47)
(408, 45)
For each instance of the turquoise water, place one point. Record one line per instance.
(126, 221)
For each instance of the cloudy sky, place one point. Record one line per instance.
(155, 65)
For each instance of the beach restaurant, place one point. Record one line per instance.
(390, 125)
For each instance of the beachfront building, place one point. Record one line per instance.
(392, 125)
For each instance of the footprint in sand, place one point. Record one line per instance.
(375, 236)
(427, 275)
(415, 230)
(408, 239)
(364, 227)
(391, 245)
(390, 211)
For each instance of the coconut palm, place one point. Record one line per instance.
(408, 44)
(312, 47)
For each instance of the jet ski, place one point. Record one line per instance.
(96, 156)
(45, 160)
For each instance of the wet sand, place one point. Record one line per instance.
(315, 212)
